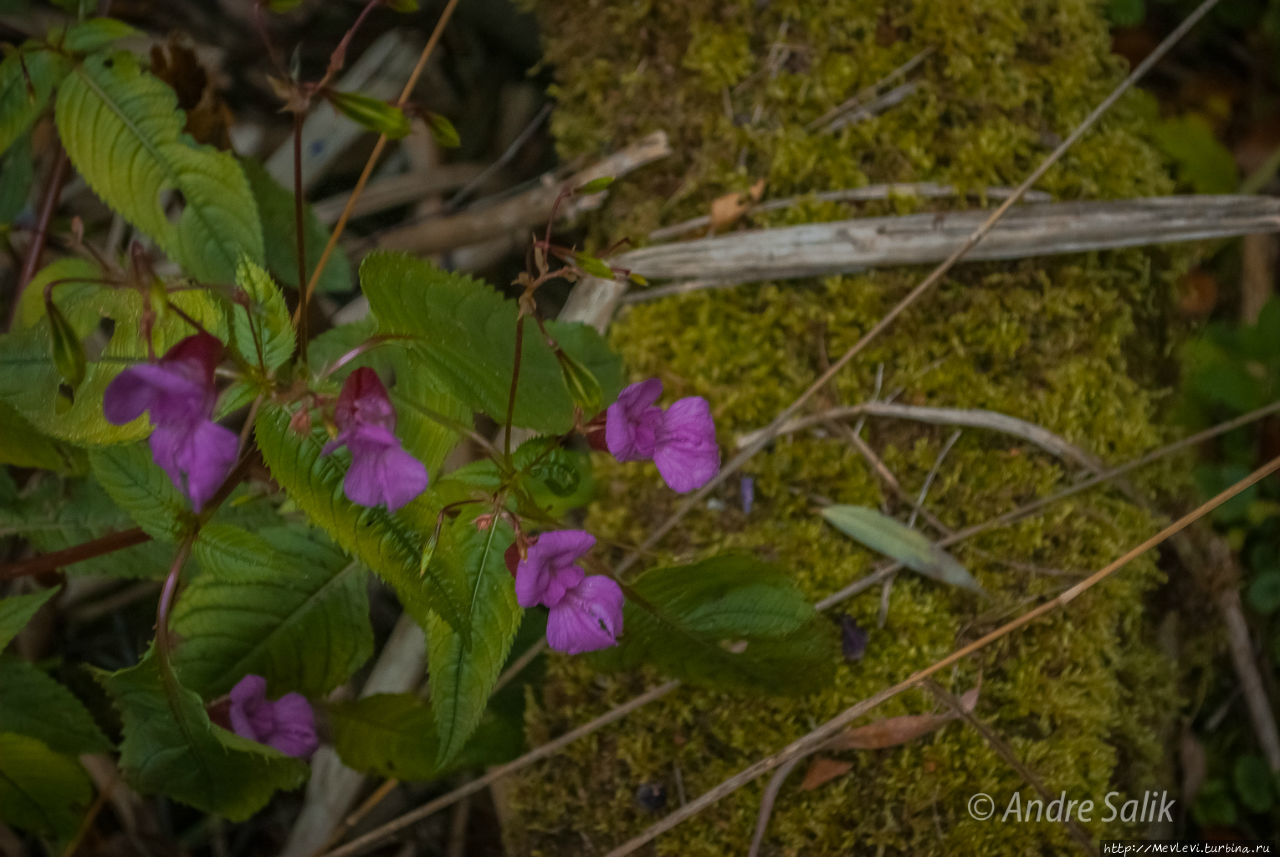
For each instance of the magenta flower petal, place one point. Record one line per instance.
(632, 422)
(589, 617)
(294, 726)
(687, 455)
(288, 724)
(550, 569)
(382, 473)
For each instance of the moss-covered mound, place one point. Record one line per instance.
(1075, 344)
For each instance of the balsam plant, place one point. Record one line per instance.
(268, 471)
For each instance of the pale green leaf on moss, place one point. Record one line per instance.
(171, 747)
(41, 790)
(275, 207)
(729, 621)
(463, 668)
(464, 333)
(95, 34)
(35, 705)
(136, 483)
(383, 542)
(1203, 162)
(277, 604)
(22, 445)
(122, 129)
(388, 734)
(28, 77)
(16, 611)
(262, 331)
(30, 382)
(897, 541)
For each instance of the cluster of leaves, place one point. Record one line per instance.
(279, 571)
(1230, 370)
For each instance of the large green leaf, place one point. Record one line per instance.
(171, 747)
(27, 79)
(137, 484)
(275, 205)
(464, 668)
(40, 790)
(464, 332)
(730, 621)
(896, 540)
(17, 174)
(29, 381)
(275, 604)
(383, 542)
(122, 129)
(389, 734)
(58, 514)
(35, 705)
(16, 611)
(22, 445)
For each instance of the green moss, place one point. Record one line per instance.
(1076, 344)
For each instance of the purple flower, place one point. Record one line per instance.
(550, 568)
(381, 473)
(681, 440)
(585, 612)
(286, 724)
(588, 617)
(179, 394)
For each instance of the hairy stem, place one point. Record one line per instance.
(101, 546)
(515, 382)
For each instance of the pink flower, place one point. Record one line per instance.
(588, 617)
(681, 440)
(381, 473)
(585, 611)
(286, 724)
(179, 394)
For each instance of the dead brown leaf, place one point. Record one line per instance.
(728, 209)
(897, 730)
(823, 770)
(208, 117)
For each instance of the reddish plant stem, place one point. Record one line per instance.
(100, 546)
(48, 205)
(301, 237)
(515, 382)
(339, 56)
(164, 644)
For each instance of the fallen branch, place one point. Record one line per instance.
(1042, 229)
(528, 209)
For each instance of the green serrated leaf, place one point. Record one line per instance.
(138, 485)
(389, 734)
(122, 129)
(96, 34)
(463, 333)
(262, 331)
(16, 611)
(1252, 779)
(35, 705)
(381, 541)
(275, 207)
(28, 77)
(463, 669)
(729, 621)
(372, 113)
(897, 541)
(40, 790)
(275, 604)
(29, 380)
(170, 747)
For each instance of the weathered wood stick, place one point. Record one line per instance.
(1042, 229)
(524, 211)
